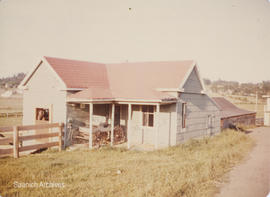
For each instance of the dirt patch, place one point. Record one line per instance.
(252, 176)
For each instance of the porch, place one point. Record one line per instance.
(116, 124)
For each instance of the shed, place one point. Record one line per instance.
(231, 114)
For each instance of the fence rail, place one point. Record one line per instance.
(10, 114)
(16, 139)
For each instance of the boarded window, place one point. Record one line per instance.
(148, 115)
(184, 109)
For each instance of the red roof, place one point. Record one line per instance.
(124, 81)
(80, 74)
(228, 109)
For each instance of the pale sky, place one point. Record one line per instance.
(229, 39)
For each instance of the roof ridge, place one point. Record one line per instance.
(76, 60)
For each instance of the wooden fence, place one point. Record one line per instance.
(11, 114)
(17, 139)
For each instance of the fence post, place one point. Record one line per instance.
(60, 136)
(15, 142)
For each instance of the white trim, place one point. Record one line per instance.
(169, 89)
(187, 75)
(74, 89)
(199, 76)
(123, 101)
(29, 75)
(35, 68)
(129, 126)
(55, 74)
(91, 106)
(194, 66)
(112, 122)
(156, 124)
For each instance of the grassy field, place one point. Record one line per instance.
(251, 107)
(192, 169)
(10, 105)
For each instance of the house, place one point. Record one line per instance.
(230, 114)
(156, 103)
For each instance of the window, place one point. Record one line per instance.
(148, 115)
(184, 109)
(82, 106)
(42, 114)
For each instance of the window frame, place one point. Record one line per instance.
(184, 115)
(146, 116)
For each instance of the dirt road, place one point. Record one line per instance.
(252, 177)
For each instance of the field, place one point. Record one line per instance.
(191, 169)
(251, 107)
(9, 105)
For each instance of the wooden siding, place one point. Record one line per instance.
(193, 83)
(199, 107)
(146, 135)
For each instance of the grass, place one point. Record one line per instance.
(251, 107)
(12, 104)
(10, 121)
(192, 169)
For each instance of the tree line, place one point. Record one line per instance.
(13, 81)
(236, 88)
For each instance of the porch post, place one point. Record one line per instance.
(112, 124)
(128, 126)
(90, 125)
(157, 125)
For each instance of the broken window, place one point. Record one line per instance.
(42, 114)
(148, 115)
(184, 109)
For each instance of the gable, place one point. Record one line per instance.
(44, 78)
(193, 83)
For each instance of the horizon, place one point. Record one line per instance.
(229, 40)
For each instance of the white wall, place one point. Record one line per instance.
(44, 91)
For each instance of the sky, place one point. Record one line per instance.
(229, 39)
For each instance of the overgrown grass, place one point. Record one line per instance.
(191, 169)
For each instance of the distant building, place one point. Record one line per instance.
(230, 114)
